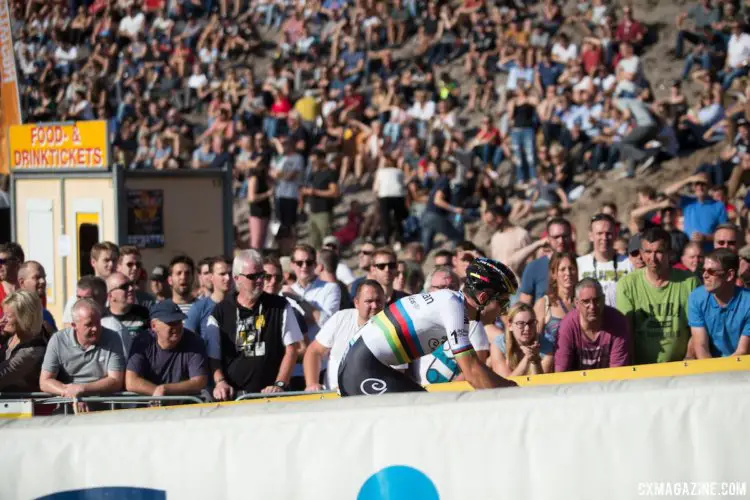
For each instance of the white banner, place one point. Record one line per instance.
(618, 440)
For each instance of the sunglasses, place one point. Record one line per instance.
(713, 272)
(303, 263)
(387, 265)
(125, 286)
(725, 242)
(365, 252)
(134, 264)
(270, 277)
(7, 261)
(254, 276)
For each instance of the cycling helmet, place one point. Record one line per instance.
(493, 277)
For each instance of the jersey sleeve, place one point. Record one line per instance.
(457, 327)
(478, 336)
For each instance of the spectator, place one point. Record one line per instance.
(322, 193)
(534, 282)
(253, 336)
(181, 272)
(517, 352)
(364, 264)
(593, 335)
(104, 257)
(130, 264)
(383, 270)
(168, 360)
(221, 284)
(465, 253)
(701, 214)
(260, 191)
(654, 300)
(556, 303)
(333, 339)
(159, 284)
(83, 359)
(22, 342)
(691, 259)
(440, 366)
(744, 266)
(719, 311)
(634, 252)
(287, 172)
(704, 16)
(123, 315)
(727, 236)
(343, 273)
(603, 264)
(435, 218)
(33, 279)
(507, 240)
(326, 271)
(390, 189)
(9, 264)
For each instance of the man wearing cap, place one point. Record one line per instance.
(158, 284)
(719, 311)
(634, 252)
(169, 360)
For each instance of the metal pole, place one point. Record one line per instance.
(64, 269)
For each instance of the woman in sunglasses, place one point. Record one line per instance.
(419, 324)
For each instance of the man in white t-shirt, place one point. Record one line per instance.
(440, 366)
(738, 56)
(132, 24)
(604, 264)
(564, 50)
(335, 335)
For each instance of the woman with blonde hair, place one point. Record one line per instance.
(552, 308)
(517, 352)
(22, 342)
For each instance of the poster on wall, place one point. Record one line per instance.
(146, 218)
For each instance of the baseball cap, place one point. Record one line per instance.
(167, 312)
(159, 273)
(634, 245)
(331, 240)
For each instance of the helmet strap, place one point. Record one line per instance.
(480, 306)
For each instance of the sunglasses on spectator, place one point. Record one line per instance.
(254, 276)
(365, 252)
(713, 272)
(387, 265)
(125, 286)
(303, 263)
(725, 242)
(134, 264)
(269, 277)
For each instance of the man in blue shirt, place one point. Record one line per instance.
(534, 279)
(719, 311)
(701, 213)
(221, 279)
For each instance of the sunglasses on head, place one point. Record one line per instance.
(387, 265)
(254, 276)
(303, 263)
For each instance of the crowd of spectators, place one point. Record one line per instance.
(464, 119)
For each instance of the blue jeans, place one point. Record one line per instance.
(524, 153)
(728, 77)
(434, 223)
(691, 37)
(704, 58)
(392, 131)
(490, 154)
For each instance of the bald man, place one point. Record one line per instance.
(123, 314)
(33, 279)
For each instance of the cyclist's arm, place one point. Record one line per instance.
(478, 375)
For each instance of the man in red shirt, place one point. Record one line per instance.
(629, 30)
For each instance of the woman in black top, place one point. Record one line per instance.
(259, 194)
(522, 114)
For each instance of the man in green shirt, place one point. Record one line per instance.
(654, 299)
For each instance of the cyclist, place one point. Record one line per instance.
(419, 324)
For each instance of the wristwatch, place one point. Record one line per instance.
(280, 384)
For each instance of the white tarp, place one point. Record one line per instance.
(616, 440)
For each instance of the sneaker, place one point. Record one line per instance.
(647, 163)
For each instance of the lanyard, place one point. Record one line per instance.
(257, 330)
(614, 264)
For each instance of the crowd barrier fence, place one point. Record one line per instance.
(12, 405)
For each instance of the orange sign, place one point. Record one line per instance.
(63, 145)
(10, 106)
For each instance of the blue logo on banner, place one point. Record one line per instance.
(398, 482)
(113, 493)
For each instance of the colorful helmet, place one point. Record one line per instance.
(491, 276)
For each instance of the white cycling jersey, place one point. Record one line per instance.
(417, 325)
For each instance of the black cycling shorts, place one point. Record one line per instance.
(360, 373)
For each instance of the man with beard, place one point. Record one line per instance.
(181, 273)
(257, 333)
